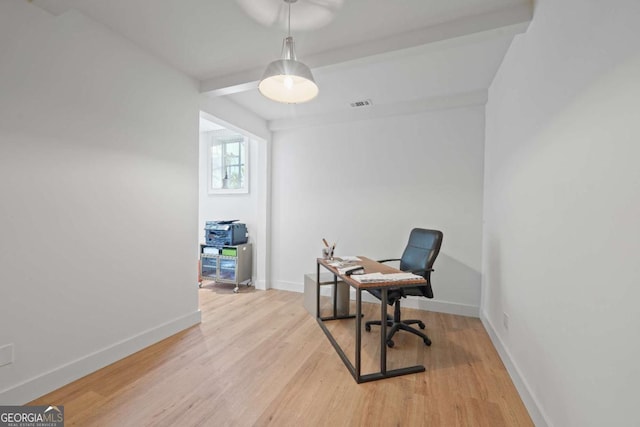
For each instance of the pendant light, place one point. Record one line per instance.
(287, 80)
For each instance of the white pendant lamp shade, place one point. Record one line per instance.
(287, 80)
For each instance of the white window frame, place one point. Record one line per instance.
(216, 188)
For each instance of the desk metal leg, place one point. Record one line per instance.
(335, 295)
(335, 308)
(356, 370)
(358, 332)
(384, 373)
(317, 290)
(383, 331)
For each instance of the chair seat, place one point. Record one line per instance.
(394, 294)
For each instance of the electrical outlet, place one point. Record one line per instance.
(505, 321)
(6, 354)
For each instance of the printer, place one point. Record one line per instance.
(225, 233)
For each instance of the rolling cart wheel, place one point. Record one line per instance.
(235, 290)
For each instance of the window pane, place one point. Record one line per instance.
(228, 160)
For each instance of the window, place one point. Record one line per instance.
(228, 162)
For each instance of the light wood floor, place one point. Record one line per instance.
(258, 358)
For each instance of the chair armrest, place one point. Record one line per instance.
(422, 270)
(387, 260)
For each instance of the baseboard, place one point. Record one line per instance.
(287, 286)
(33, 388)
(435, 305)
(533, 406)
(283, 285)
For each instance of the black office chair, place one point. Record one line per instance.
(418, 258)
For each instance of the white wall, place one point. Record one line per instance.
(98, 188)
(562, 209)
(366, 184)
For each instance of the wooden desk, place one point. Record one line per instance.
(370, 266)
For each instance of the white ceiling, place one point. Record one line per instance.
(392, 52)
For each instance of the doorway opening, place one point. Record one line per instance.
(233, 185)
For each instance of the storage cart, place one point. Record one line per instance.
(229, 264)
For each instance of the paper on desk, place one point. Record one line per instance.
(341, 263)
(379, 277)
(368, 278)
(402, 276)
(350, 258)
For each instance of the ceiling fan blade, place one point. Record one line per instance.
(264, 12)
(306, 15)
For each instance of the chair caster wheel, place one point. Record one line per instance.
(421, 325)
(235, 290)
(367, 328)
(390, 343)
(427, 341)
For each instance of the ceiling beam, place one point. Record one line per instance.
(458, 100)
(514, 20)
(53, 7)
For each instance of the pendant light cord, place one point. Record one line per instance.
(289, 28)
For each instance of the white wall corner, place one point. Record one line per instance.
(261, 285)
(47, 382)
(530, 402)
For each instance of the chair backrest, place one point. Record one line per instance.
(420, 254)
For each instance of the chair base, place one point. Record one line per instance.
(395, 324)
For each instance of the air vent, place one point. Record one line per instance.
(363, 103)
